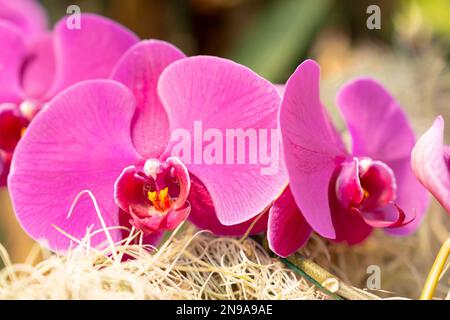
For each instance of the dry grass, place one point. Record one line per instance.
(190, 265)
(198, 265)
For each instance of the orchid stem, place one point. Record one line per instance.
(302, 273)
(319, 276)
(435, 272)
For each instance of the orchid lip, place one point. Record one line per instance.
(368, 188)
(154, 196)
(12, 126)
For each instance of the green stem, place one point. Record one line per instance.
(318, 276)
(321, 276)
(435, 272)
(300, 272)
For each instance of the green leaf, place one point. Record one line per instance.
(280, 34)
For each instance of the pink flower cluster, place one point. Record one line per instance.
(93, 109)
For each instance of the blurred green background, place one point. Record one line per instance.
(270, 36)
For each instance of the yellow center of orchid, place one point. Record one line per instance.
(366, 193)
(160, 199)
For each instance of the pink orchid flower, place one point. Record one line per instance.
(339, 194)
(113, 138)
(33, 69)
(27, 17)
(430, 163)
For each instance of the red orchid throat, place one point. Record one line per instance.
(155, 197)
(368, 188)
(12, 126)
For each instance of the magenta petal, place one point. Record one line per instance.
(184, 182)
(149, 224)
(80, 142)
(176, 217)
(12, 55)
(12, 123)
(204, 216)
(379, 182)
(139, 69)
(430, 163)
(411, 196)
(390, 216)
(5, 163)
(377, 124)
(90, 52)
(287, 229)
(27, 15)
(349, 225)
(39, 68)
(128, 192)
(348, 187)
(312, 147)
(151, 239)
(218, 94)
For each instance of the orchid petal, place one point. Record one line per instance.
(377, 124)
(378, 180)
(12, 54)
(390, 216)
(350, 228)
(89, 52)
(39, 68)
(312, 148)
(411, 196)
(203, 214)
(139, 69)
(218, 94)
(184, 182)
(128, 192)
(287, 228)
(348, 187)
(79, 142)
(152, 239)
(430, 163)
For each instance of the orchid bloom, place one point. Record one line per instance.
(113, 138)
(35, 66)
(339, 194)
(430, 163)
